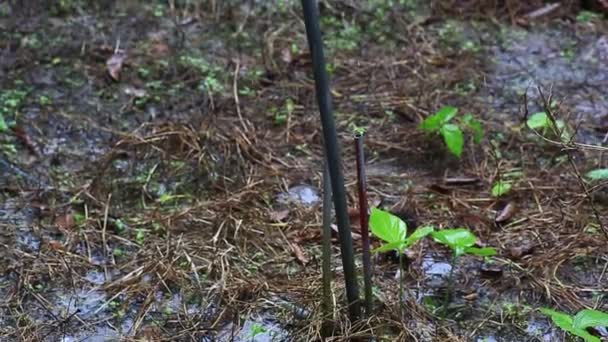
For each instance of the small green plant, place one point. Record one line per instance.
(281, 116)
(542, 122)
(393, 230)
(597, 174)
(256, 329)
(452, 133)
(587, 16)
(577, 325)
(501, 188)
(461, 241)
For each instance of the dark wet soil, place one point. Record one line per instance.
(152, 141)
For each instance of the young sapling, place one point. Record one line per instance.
(452, 133)
(461, 241)
(393, 230)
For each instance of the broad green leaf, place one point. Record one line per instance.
(539, 120)
(457, 239)
(590, 318)
(418, 234)
(484, 252)
(387, 226)
(393, 246)
(434, 122)
(453, 137)
(597, 174)
(3, 125)
(566, 322)
(561, 319)
(501, 188)
(475, 126)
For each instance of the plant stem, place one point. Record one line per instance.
(448, 292)
(401, 277)
(326, 250)
(332, 154)
(364, 220)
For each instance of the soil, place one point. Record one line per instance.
(161, 167)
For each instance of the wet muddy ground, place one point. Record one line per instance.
(177, 196)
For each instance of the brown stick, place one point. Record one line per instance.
(364, 217)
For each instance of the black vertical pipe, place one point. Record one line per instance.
(364, 217)
(326, 251)
(332, 153)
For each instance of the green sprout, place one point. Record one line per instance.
(461, 241)
(597, 174)
(501, 188)
(256, 329)
(546, 125)
(392, 230)
(577, 325)
(452, 133)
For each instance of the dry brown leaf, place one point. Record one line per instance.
(114, 64)
(299, 253)
(506, 213)
(286, 56)
(56, 245)
(65, 222)
(279, 215)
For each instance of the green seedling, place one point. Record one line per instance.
(256, 329)
(577, 325)
(393, 230)
(501, 188)
(452, 133)
(597, 174)
(543, 123)
(461, 241)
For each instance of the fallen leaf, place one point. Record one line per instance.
(279, 215)
(114, 64)
(286, 56)
(56, 245)
(299, 253)
(461, 180)
(506, 213)
(490, 270)
(65, 222)
(356, 236)
(521, 249)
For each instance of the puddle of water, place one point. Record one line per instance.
(542, 329)
(95, 277)
(435, 271)
(487, 339)
(300, 194)
(85, 302)
(575, 65)
(436, 268)
(255, 330)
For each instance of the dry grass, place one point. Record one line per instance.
(223, 249)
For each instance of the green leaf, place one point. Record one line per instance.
(3, 125)
(561, 319)
(418, 234)
(501, 188)
(567, 322)
(393, 246)
(434, 122)
(484, 252)
(590, 318)
(597, 174)
(457, 239)
(475, 126)
(539, 120)
(453, 137)
(387, 226)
